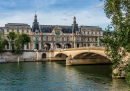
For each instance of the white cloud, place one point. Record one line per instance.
(99, 6)
(90, 17)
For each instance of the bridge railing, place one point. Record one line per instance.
(81, 48)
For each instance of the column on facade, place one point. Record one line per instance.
(40, 46)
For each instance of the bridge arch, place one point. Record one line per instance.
(61, 55)
(89, 55)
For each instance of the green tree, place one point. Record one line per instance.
(20, 41)
(118, 42)
(3, 43)
(11, 36)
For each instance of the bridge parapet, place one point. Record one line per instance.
(81, 48)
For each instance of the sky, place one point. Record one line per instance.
(54, 12)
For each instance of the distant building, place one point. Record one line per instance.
(56, 36)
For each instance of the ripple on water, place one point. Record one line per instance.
(38, 76)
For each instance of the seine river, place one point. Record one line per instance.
(56, 76)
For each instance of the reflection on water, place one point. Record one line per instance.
(57, 76)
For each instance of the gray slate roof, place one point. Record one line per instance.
(17, 25)
(49, 28)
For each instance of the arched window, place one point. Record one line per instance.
(44, 55)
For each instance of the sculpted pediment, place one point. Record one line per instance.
(57, 30)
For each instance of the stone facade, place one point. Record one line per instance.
(51, 37)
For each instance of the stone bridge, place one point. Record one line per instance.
(83, 55)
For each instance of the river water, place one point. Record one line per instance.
(56, 76)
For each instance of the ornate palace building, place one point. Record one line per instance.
(50, 37)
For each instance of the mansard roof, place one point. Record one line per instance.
(49, 28)
(90, 27)
(17, 25)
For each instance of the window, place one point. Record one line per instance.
(57, 38)
(36, 38)
(96, 32)
(77, 45)
(67, 38)
(88, 44)
(46, 38)
(95, 38)
(27, 31)
(13, 30)
(27, 46)
(77, 38)
(99, 32)
(92, 32)
(52, 39)
(62, 38)
(7, 30)
(84, 45)
(22, 30)
(88, 32)
(88, 38)
(84, 32)
(8, 46)
(17, 30)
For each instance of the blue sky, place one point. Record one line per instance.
(53, 12)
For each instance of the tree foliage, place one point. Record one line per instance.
(3, 43)
(11, 36)
(118, 42)
(18, 41)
